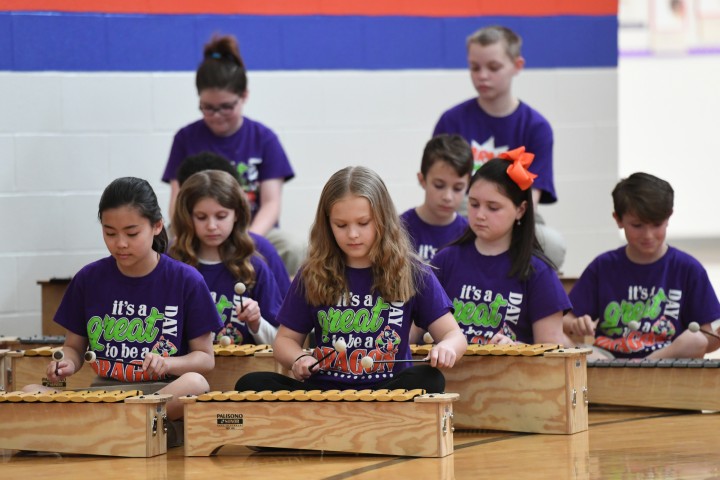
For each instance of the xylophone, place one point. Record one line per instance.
(116, 423)
(14, 343)
(9, 342)
(234, 361)
(397, 422)
(687, 384)
(231, 362)
(519, 388)
(29, 366)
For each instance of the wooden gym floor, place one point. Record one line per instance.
(620, 444)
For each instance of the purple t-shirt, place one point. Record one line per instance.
(428, 239)
(664, 297)
(273, 260)
(370, 326)
(254, 149)
(487, 301)
(125, 317)
(490, 136)
(222, 288)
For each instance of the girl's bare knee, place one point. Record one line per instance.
(194, 383)
(693, 344)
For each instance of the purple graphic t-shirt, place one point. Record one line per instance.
(254, 149)
(490, 136)
(486, 301)
(222, 288)
(123, 317)
(428, 239)
(663, 296)
(370, 325)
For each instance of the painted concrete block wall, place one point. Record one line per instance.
(362, 86)
(669, 108)
(64, 136)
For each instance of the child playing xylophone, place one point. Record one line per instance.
(361, 286)
(147, 319)
(211, 230)
(504, 288)
(642, 299)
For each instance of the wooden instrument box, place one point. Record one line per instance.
(135, 426)
(520, 388)
(234, 361)
(421, 427)
(29, 367)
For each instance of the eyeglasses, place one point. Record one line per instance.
(222, 109)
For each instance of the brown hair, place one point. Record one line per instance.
(647, 196)
(237, 250)
(222, 66)
(451, 149)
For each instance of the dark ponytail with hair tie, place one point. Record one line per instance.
(222, 67)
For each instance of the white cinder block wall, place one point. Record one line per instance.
(668, 127)
(65, 136)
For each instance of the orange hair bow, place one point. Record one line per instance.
(518, 170)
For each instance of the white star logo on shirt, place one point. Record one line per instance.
(484, 152)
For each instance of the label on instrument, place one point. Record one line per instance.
(229, 421)
(59, 384)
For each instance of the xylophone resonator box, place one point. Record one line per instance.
(29, 366)
(116, 423)
(366, 421)
(234, 361)
(519, 388)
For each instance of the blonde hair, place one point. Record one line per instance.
(494, 34)
(237, 250)
(395, 266)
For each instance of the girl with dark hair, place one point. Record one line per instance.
(146, 318)
(504, 289)
(251, 147)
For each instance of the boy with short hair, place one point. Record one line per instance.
(496, 121)
(638, 300)
(445, 171)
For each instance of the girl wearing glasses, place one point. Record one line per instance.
(253, 148)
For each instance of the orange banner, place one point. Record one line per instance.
(418, 8)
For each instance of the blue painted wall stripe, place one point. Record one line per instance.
(104, 42)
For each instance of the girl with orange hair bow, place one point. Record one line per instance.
(503, 287)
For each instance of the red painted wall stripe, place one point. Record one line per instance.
(421, 8)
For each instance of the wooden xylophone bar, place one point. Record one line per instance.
(520, 388)
(116, 423)
(686, 384)
(366, 421)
